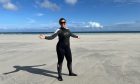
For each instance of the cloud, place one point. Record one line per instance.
(124, 26)
(31, 21)
(127, 1)
(94, 25)
(49, 5)
(119, 2)
(71, 2)
(85, 26)
(40, 14)
(89, 24)
(8, 5)
(4, 1)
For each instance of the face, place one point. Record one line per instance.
(63, 23)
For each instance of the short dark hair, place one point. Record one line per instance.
(61, 20)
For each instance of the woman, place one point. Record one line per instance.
(63, 47)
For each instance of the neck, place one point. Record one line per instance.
(63, 27)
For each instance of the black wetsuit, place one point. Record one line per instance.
(63, 48)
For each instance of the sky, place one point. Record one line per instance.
(81, 15)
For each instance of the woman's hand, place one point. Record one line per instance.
(42, 36)
(78, 37)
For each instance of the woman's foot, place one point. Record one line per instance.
(72, 74)
(60, 78)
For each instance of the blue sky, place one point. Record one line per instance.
(90, 14)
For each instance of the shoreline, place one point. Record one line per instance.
(89, 32)
(79, 33)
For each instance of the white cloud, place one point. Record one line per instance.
(49, 5)
(86, 25)
(94, 25)
(72, 2)
(125, 22)
(4, 1)
(124, 26)
(31, 21)
(127, 1)
(8, 5)
(40, 14)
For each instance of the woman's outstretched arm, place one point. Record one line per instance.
(51, 36)
(73, 35)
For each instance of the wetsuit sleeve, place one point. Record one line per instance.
(53, 35)
(73, 35)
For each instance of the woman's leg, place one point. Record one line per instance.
(60, 56)
(69, 61)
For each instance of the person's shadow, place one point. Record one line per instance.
(34, 70)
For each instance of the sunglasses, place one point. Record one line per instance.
(62, 22)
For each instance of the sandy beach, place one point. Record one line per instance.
(97, 59)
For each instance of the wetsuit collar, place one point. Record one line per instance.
(63, 28)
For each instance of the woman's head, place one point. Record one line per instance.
(62, 22)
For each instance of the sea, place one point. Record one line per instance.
(84, 33)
